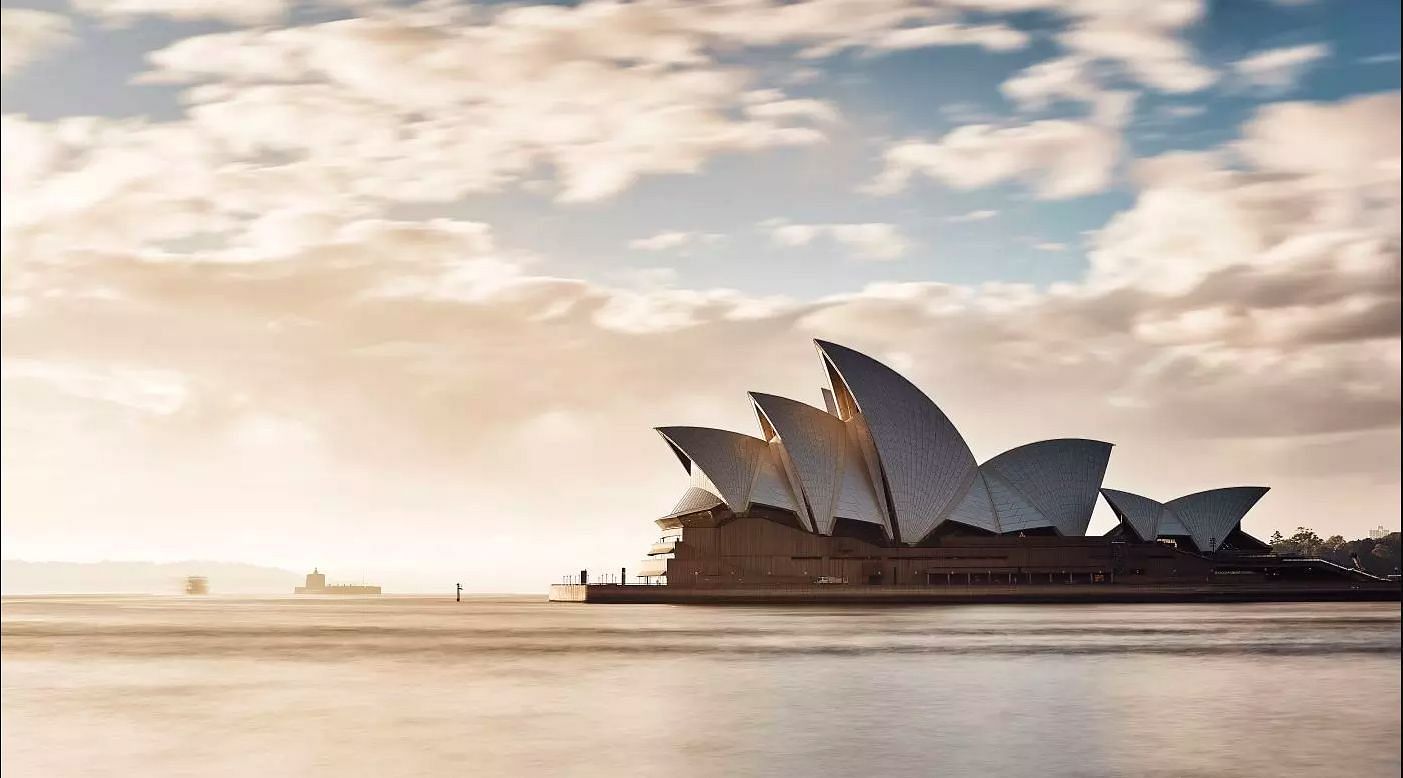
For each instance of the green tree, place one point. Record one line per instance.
(1305, 541)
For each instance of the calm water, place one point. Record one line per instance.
(421, 687)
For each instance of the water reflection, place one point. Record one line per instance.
(516, 686)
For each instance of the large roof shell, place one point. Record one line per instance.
(863, 459)
(771, 486)
(815, 443)
(859, 498)
(824, 462)
(1058, 477)
(925, 464)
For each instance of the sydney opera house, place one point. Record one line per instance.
(880, 488)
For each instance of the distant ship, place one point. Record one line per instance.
(196, 584)
(316, 584)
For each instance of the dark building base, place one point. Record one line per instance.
(723, 558)
(976, 595)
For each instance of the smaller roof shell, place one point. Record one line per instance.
(740, 467)
(1207, 517)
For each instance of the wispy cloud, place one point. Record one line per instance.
(240, 12)
(1280, 68)
(672, 239)
(27, 35)
(867, 241)
(1380, 59)
(1182, 111)
(1057, 158)
(972, 216)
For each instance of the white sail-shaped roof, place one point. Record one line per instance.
(858, 495)
(771, 486)
(925, 464)
(1141, 513)
(864, 451)
(693, 500)
(1015, 513)
(815, 442)
(1212, 515)
(1208, 518)
(1170, 526)
(741, 468)
(826, 469)
(976, 508)
(1058, 477)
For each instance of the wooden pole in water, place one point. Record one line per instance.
(459, 596)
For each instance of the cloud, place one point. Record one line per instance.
(413, 114)
(1057, 158)
(1280, 68)
(1145, 44)
(671, 239)
(822, 28)
(1363, 148)
(994, 37)
(148, 391)
(1329, 210)
(972, 216)
(430, 103)
(1071, 79)
(1182, 111)
(1050, 246)
(27, 35)
(241, 12)
(870, 241)
(779, 107)
(1380, 59)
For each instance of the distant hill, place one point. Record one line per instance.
(19, 577)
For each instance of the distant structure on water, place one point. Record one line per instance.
(316, 584)
(196, 584)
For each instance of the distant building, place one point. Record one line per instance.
(316, 584)
(196, 584)
(1379, 533)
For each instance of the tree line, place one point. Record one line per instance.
(1380, 556)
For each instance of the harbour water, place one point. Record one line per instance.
(511, 686)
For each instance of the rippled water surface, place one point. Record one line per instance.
(516, 686)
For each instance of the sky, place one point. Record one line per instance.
(401, 289)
